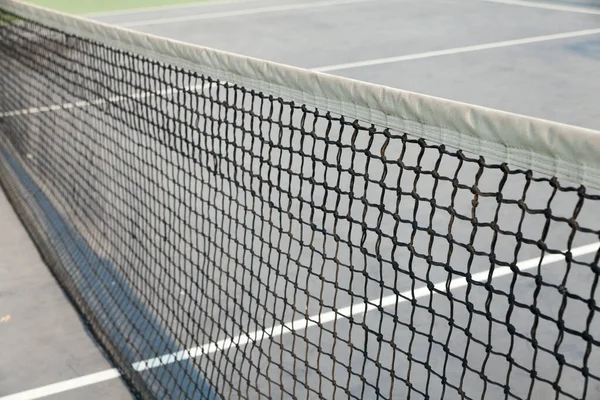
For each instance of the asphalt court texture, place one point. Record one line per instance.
(554, 79)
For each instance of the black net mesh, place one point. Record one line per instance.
(224, 243)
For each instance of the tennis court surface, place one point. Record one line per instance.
(228, 227)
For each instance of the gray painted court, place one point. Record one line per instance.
(523, 66)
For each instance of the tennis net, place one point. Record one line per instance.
(233, 228)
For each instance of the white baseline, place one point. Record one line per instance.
(236, 13)
(144, 10)
(208, 4)
(295, 326)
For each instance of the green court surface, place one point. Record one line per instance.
(96, 6)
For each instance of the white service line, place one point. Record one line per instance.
(296, 325)
(143, 10)
(547, 6)
(458, 50)
(85, 103)
(235, 13)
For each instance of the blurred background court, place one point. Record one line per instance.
(537, 58)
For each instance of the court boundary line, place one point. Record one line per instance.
(142, 10)
(546, 6)
(300, 324)
(459, 50)
(236, 13)
(101, 101)
(326, 68)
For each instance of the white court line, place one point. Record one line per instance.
(547, 6)
(64, 386)
(85, 103)
(294, 326)
(139, 11)
(339, 67)
(458, 50)
(235, 13)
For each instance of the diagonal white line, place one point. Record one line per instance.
(547, 6)
(352, 311)
(185, 6)
(84, 103)
(457, 50)
(237, 13)
(65, 386)
(296, 325)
